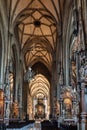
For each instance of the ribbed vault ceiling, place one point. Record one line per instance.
(37, 23)
(39, 86)
(37, 19)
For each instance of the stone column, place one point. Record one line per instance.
(83, 95)
(83, 113)
(20, 90)
(34, 104)
(45, 103)
(7, 97)
(20, 103)
(61, 112)
(51, 100)
(61, 106)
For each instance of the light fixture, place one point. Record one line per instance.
(29, 75)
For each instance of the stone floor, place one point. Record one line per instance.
(37, 126)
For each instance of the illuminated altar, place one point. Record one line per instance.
(69, 105)
(15, 110)
(40, 109)
(1, 105)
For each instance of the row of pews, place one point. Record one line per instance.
(53, 125)
(45, 125)
(2, 126)
(18, 125)
(49, 125)
(68, 127)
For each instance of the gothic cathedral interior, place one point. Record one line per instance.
(43, 61)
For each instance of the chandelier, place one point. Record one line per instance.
(29, 75)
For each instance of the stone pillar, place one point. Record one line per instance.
(34, 104)
(7, 97)
(20, 104)
(51, 101)
(20, 90)
(61, 106)
(83, 113)
(83, 95)
(45, 103)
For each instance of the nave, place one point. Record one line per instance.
(43, 64)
